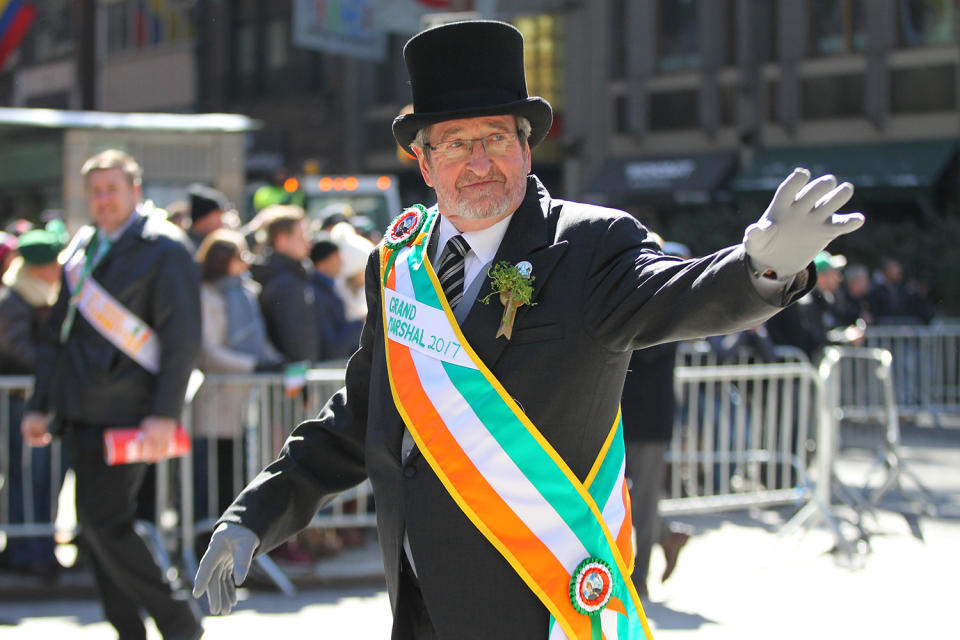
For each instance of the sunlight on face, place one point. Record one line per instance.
(111, 197)
(482, 187)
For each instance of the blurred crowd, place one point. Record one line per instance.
(286, 289)
(282, 291)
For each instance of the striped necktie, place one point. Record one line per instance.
(450, 269)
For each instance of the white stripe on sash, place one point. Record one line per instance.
(496, 466)
(614, 511)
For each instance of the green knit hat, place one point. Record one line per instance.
(39, 246)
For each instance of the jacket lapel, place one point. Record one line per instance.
(528, 237)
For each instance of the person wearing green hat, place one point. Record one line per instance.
(32, 284)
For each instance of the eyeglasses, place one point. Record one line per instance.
(495, 144)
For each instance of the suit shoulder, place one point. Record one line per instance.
(583, 217)
(159, 230)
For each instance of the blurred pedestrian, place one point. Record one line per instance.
(8, 250)
(117, 351)
(234, 341)
(855, 295)
(354, 251)
(207, 208)
(178, 213)
(32, 285)
(287, 299)
(283, 189)
(649, 411)
(889, 298)
(338, 337)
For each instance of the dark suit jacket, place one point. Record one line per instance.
(149, 270)
(601, 291)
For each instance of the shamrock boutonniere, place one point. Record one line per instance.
(515, 286)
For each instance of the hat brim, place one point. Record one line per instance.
(535, 109)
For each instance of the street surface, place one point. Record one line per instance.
(736, 579)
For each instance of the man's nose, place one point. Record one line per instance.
(479, 160)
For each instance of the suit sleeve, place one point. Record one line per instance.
(323, 456)
(175, 316)
(635, 297)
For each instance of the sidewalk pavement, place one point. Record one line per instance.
(735, 579)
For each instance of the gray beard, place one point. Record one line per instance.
(496, 209)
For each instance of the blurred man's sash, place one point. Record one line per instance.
(120, 326)
(497, 466)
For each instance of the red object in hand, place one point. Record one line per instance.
(124, 445)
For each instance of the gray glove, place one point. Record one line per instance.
(799, 223)
(225, 565)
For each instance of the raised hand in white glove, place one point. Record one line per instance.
(800, 222)
(224, 566)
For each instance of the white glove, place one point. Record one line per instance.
(799, 223)
(224, 566)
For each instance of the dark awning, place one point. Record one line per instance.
(687, 179)
(891, 166)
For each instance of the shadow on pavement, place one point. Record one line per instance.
(666, 618)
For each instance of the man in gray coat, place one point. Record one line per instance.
(599, 288)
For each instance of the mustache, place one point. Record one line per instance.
(470, 178)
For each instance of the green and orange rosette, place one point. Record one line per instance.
(405, 227)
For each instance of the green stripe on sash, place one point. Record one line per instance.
(606, 480)
(530, 457)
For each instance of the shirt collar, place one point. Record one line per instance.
(116, 233)
(483, 243)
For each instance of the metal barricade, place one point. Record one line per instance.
(36, 487)
(926, 367)
(741, 438)
(863, 400)
(29, 478)
(240, 423)
(745, 438)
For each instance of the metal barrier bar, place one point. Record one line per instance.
(866, 411)
(741, 436)
(926, 366)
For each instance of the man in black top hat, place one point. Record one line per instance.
(598, 289)
(207, 206)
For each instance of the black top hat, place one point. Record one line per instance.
(465, 70)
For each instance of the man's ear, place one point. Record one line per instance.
(424, 165)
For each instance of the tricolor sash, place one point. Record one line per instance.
(124, 329)
(570, 541)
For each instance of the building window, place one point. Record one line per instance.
(390, 76)
(674, 110)
(621, 114)
(543, 55)
(51, 33)
(729, 98)
(771, 98)
(832, 97)
(926, 22)
(618, 39)
(836, 27)
(137, 24)
(277, 45)
(768, 25)
(923, 90)
(731, 33)
(678, 35)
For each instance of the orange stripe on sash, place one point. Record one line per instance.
(625, 537)
(468, 487)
